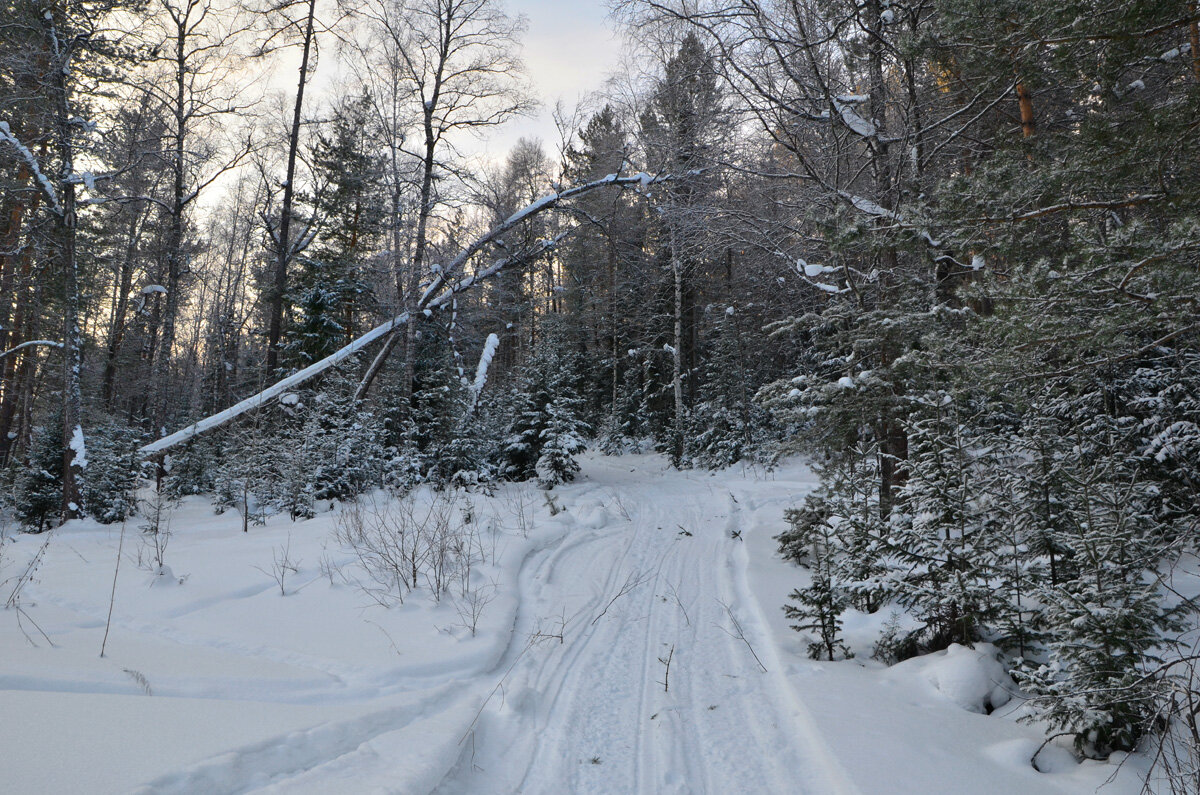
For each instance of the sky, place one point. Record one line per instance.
(569, 49)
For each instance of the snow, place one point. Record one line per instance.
(30, 344)
(973, 679)
(219, 683)
(86, 178)
(7, 135)
(852, 120)
(79, 447)
(812, 270)
(485, 361)
(1175, 52)
(869, 207)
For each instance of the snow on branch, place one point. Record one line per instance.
(864, 205)
(273, 391)
(438, 294)
(6, 135)
(851, 119)
(485, 362)
(31, 343)
(547, 202)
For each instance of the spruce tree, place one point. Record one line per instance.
(330, 295)
(37, 490)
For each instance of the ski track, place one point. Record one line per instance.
(579, 700)
(596, 713)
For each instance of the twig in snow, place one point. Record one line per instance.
(112, 597)
(15, 595)
(1040, 748)
(666, 661)
(630, 583)
(141, 679)
(387, 635)
(32, 642)
(470, 732)
(282, 565)
(678, 601)
(739, 634)
(538, 634)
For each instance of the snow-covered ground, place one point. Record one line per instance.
(632, 642)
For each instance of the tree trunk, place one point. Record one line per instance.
(65, 229)
(1025, 103)
(122, 288)
(409, 282)
(677, 354)
(14, 295)
(283, 254)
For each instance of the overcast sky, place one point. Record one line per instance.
(569, 49)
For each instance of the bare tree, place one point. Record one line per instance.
(456, 61)
(194, 48)
(285, 246)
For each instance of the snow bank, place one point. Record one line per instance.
(974, 679)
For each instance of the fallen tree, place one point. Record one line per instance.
(447, 282)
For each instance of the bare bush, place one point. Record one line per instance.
(282, 565)
(470, 605)
(421, 540)
(156, 532)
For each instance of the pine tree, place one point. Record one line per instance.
(818, 607)
(1106, 623)
(945, 541)
(561, 440)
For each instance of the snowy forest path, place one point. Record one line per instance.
(641, 661)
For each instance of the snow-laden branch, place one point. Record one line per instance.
(273, 391)
(868, 207)
(547, 202)
(6, 135)
(439, 293)
(851, 119)
(31, 343)
(481, 372)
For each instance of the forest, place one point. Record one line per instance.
(947, 251)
